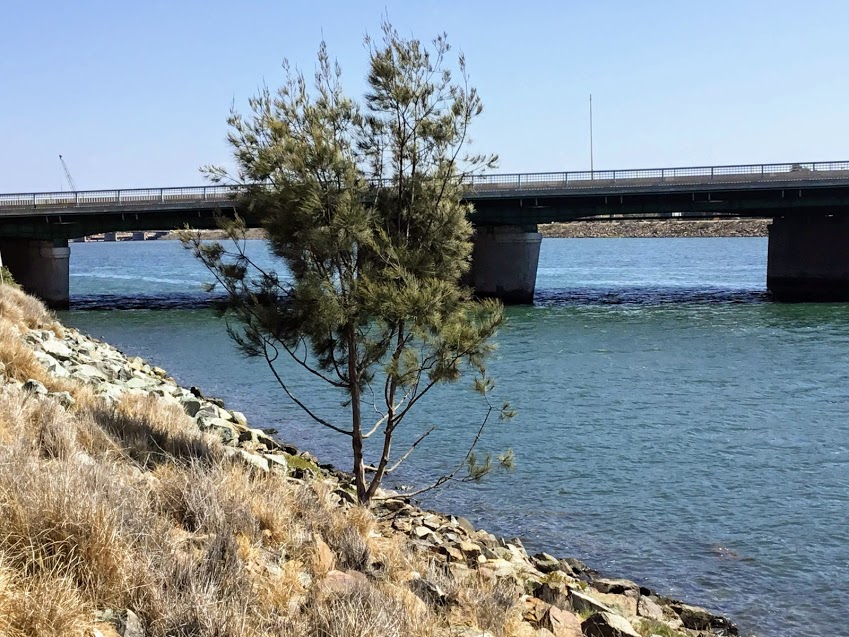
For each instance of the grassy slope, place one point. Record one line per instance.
(130, 506)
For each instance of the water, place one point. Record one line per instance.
(675, 426)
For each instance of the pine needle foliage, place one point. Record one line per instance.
(362, 200)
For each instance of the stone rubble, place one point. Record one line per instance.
(562, 597)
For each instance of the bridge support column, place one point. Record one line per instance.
(504, 263)
(41, 268)
(808, 258)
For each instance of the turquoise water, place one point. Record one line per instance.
(675, 426)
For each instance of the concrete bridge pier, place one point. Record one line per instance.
(41, 268)
(504, 263)
(808, 258)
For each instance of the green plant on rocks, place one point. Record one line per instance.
(648, 627)
(362, 201)
(6, 278)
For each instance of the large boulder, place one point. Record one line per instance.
(224, 429)
(561, 623)
(616, 586)
(647, 607)
(57, 349)
(697, 618)
(545, 563)
(608, 625)
(582, 603)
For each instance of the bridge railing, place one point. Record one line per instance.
(118, 196)
(476, 183)
(659, 176)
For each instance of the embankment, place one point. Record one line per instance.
(132, 506)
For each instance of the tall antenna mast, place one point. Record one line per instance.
(68, 175)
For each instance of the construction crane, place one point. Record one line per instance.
(68, 175)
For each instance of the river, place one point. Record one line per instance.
(674, 426)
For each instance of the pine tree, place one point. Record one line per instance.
(363, 203)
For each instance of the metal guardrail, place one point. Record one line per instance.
(478, 184)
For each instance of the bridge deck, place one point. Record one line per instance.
(480, 187)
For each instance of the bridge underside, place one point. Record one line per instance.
(808, 244)
(809, 258)
(41, 267)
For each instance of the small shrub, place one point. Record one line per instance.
(6, 278)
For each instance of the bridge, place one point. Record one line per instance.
(808, 203)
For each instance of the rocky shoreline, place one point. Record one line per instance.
(559, 597)
(609, 229)
(656, 229)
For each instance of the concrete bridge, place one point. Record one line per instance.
(808, 203)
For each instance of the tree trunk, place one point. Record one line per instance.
(356, 420)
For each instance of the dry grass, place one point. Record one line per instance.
(26, 311)
(130, 506)
(17, 357)
(60, 610)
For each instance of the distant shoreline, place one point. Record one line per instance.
(606, 229)
(660, 229)
(619, 228)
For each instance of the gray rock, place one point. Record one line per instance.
(697, 618)
(110, 392)
(57, 349)
(224, 429)
(208, 410)
(427, 591)
(239, 418)
(35, 387)
(545, 563)
(578, 567)
(65, 399)
(555, 593)
(616, 587)
(137, 383)
(608, 625)
(585, 604)
(51, 364)
(132, 625)
(191, 405)
(277, 462)
(254, 460)
(646, 607)
(87, 373)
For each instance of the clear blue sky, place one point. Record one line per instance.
(136, 93)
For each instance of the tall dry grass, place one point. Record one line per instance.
(23, 310)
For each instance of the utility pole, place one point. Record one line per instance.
(592, 169)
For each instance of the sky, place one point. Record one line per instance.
(135, 94)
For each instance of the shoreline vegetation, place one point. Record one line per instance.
(132, 506)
